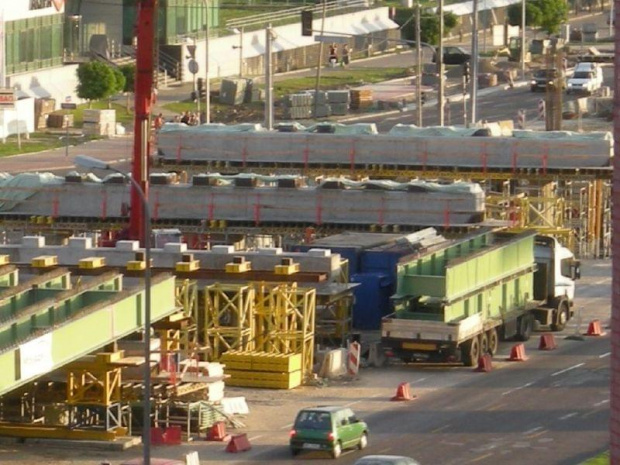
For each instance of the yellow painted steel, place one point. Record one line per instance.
(59, 432)
(4, 260)
(287, 269)
(187, 267)
(94, 382)
(44, 261)
(238, 267)
(91, 263)
(136, 265)
(264, 379)
(228, 322)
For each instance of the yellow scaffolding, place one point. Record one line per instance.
(228, 322)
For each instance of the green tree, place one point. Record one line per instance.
(119, 84)
(546, 14)
(96, 81)
(129, 71)
(429, 24)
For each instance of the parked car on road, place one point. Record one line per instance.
(588, 77)
(453, 56)
(386, 460)
(542, 78)
(331, 429)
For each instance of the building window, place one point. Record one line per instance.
(40, 4)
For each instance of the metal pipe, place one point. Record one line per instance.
(440, 96)
(418, 71)
(268, 80)
(474, 64)
(207, 79)
(319, 61)
(523, 39)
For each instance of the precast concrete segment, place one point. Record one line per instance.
(454, 205)
(247, 149)
(614, 422)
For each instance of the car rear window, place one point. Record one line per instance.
(313, 420)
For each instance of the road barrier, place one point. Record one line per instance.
(517, 353)
(547, 342)
(594, 329)
(485, 364)
(541, 109)
(353, 359)
(403, 393)
(217, 432)
(238, 443)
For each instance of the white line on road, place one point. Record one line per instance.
(606, 354)
(253, 438)
(417, 381)
(517, 388)
(352, 403)
(533, 430)
(603, 402)
(567, 369)
(286, 426)
(568, 415)
(602, 281)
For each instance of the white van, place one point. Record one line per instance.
(588, 77)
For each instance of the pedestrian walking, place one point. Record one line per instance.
(159, 122)
(333, 55)
(346, 55)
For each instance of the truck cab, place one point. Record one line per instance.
(588, 78)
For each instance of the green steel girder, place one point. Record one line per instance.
(85, 330)
(9, 276)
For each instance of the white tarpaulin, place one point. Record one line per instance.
(35, 357)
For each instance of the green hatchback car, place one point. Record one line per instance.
(330, 429)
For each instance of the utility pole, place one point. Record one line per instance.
(319, 60)
(418, 67)
(440, 66)
(268, 79)
(523, 39)
(207, 79)
(474, 65)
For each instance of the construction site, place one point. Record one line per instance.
(241, 257)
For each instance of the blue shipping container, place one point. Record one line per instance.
(372, 299)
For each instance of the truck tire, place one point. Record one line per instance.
(470, 352)
(561, 316)
(493, 338)
(526, 325)
(484, 344)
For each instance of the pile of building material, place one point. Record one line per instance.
(42, 108)
(263, 370)
(338, 101)
(361, 99)
(99, 122)
(233, 91)
(298, 106)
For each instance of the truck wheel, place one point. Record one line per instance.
(561, 317)
(526, 324)
(493, 341)
(484, 344)
(470, 352)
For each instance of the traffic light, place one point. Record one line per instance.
(306, 23)
(466, 71)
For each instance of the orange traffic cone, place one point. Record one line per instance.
(403, 392)
(594, 329)
(485, 364)
(547, 342)
(517, 353)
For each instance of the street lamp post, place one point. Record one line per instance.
(207, 79)
(240, 48)
(94, 163)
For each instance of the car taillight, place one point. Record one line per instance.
(293, 433)
(330, 436)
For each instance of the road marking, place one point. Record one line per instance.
(453, 443)
(387, 449)
(567, 369)
(495, 407)
(540, 433)
(418, 381)
(352, 403)
(286, 426)
(602, 281)
(517, 388)
(533, 430)
(478, 459)
(436, 430)
(254, 438)
(568, 415)
(603, 402)
(606, 354)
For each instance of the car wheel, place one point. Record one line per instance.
(337, 451)
(363, 441)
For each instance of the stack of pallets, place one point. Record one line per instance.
(361, 99)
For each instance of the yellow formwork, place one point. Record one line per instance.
(228, 320)
(263, 379)
(94, 382)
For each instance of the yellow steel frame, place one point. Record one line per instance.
(228, 318)
(93, 383)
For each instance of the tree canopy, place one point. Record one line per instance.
(97, 80)
(546, 14)
(429, 24)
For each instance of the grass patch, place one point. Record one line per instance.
(333, 79)
(38, 142)
(122, 115)
(602, 459)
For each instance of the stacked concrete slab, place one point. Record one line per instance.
(562, 151)
(250, 200)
